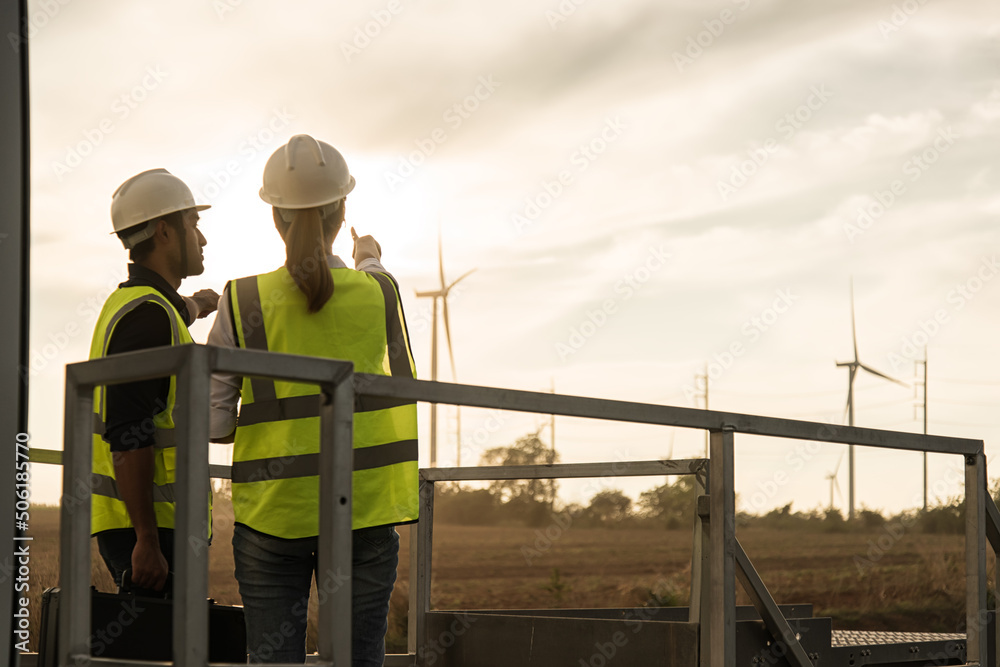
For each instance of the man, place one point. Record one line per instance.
(313, 305)
(155, 216)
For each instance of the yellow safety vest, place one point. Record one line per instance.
(108, 508)
(276, 449)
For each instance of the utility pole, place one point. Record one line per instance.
(924, 364)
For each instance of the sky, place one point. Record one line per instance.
(648, 190)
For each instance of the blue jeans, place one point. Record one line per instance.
(274, 576)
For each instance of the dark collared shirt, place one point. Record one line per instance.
(131, 406)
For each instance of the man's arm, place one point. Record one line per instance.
(131, 435)
(134, 474)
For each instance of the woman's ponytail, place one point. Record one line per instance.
(305, 257)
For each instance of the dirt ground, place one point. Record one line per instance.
(892, 578)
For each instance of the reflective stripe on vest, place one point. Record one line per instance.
(276, 451)
(108, 509)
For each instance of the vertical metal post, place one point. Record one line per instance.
(975, 558)
(434, 377)
(421, 578)
(722, 528)
(336, 465)
(411, 616)
(699, 564)
(74, 523)
(192, 488)
(924, 362)
(701, 581)
(15, 240)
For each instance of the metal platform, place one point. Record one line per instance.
(662, 635)
(713, 632)
(869, 638)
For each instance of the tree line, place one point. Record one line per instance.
(669, 506)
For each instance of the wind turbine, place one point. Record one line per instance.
(442, 294)
(833, 480)
(853, 366)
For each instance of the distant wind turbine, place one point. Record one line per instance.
(442, 294)
(833, 481)
(854, 366)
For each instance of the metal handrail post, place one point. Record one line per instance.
(975, 558)
(336, 464)
(421, 579)
(722, 561)
(412, 605)
(74, 526)
(192, 486)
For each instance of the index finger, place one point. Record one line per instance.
(354, 234)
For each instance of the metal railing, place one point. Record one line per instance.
(193, 365)
(717, 562)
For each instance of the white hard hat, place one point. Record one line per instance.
(148, 196)
(305, 173)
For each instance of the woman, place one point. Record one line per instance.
(313, 305)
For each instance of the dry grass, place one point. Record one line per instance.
(917, 584)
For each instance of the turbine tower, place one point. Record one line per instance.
(442, 294)
(853, 367)
(833, 481)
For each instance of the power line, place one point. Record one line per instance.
(973, 382)
(969, 403)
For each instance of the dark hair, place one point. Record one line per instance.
(143, 250)
(305, 251)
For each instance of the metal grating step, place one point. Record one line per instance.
(871, 638)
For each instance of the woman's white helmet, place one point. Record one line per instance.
(305, 173)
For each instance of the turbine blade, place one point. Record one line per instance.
(441, 263)
(837, 468)
(447, 335)
(462, 277)
(854, 330)
(882, 375)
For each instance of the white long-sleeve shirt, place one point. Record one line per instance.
(226, 387)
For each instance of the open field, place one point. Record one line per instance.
(892, 579)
